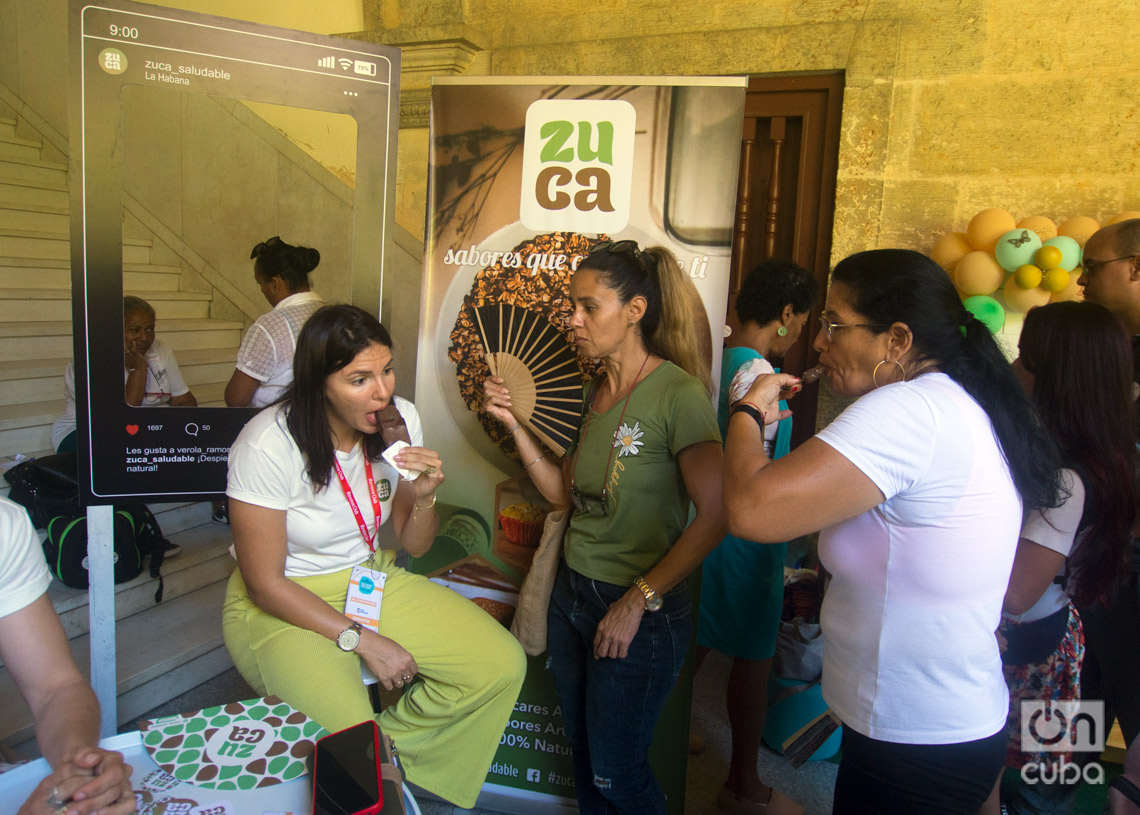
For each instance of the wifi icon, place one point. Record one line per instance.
(345, 64)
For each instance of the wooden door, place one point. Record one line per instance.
(786, 198)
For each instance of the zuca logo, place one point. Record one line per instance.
(578, 165)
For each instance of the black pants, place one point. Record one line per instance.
(1111, 670)
(885, 778)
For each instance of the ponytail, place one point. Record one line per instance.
(675, 335)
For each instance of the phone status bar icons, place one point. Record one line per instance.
(357, 66)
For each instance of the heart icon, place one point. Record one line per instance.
(132, 429)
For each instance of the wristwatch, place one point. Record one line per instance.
(348, 639)
(653, 601)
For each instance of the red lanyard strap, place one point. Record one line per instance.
(356, 513)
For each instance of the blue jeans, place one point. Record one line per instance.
(610, 706)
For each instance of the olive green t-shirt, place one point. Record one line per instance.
(646, 497)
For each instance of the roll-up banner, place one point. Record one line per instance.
(526, 175)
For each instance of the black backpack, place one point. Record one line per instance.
(137, 536)
(46, 487)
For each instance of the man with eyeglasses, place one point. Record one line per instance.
(1110, 274)
(1111, 277)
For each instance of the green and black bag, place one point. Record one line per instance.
(137, 535)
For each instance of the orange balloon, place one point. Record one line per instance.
(1044, 227)
(1080, 229)
(978, 273)
(1128, 215)
(1019, 299)
(949, 249)
(987, 226)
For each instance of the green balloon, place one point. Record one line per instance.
(988, 310)
(1070, 251)
(1016, 248)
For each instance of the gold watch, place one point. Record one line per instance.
(653, 601)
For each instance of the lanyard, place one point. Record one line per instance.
(368, 539)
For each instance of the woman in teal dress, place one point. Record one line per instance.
(742, 583)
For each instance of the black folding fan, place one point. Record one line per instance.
(537, 366)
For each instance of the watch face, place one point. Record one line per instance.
(654, 603)
(348, 639)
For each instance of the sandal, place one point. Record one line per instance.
(778, 804)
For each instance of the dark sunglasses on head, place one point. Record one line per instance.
(261, 247)
(625, 247)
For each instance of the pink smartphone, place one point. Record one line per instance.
(346, 772)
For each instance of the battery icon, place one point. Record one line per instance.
(365, 68)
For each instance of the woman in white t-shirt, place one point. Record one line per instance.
(151, 377)
(1076, 364)
(916, 488)
(308, 490)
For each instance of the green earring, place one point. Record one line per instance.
(782, 331)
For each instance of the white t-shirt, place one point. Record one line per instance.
(24, 574)
(918, 581)
(266, 468)
(163, 380)
(267, 349)
(1054, 529)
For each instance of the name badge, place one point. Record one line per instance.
(365, 593)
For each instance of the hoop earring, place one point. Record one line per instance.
(875, 372)
(782, 331)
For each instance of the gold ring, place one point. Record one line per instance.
(430, 469)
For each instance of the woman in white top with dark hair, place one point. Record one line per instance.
(916, 488)
(308, 490)
(265, 359)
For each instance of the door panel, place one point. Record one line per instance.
(786, 197)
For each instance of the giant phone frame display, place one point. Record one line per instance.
(179, 453)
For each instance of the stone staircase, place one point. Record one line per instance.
(162, 650)
(35, 300)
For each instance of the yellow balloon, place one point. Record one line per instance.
(987, 226)
(1073, 291)
(949, 249)
(1124, 216)
(1028, 276)
(978, 273)
(1055, 280)
(1019, 299)
(1080, 228)
(1048, 257)
(1044, 227)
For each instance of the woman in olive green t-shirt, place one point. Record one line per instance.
(620, 616)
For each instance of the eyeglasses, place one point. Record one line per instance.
(1090, 265)
(625, 247)
(829, 327)
(588, 503)
(261, 247)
